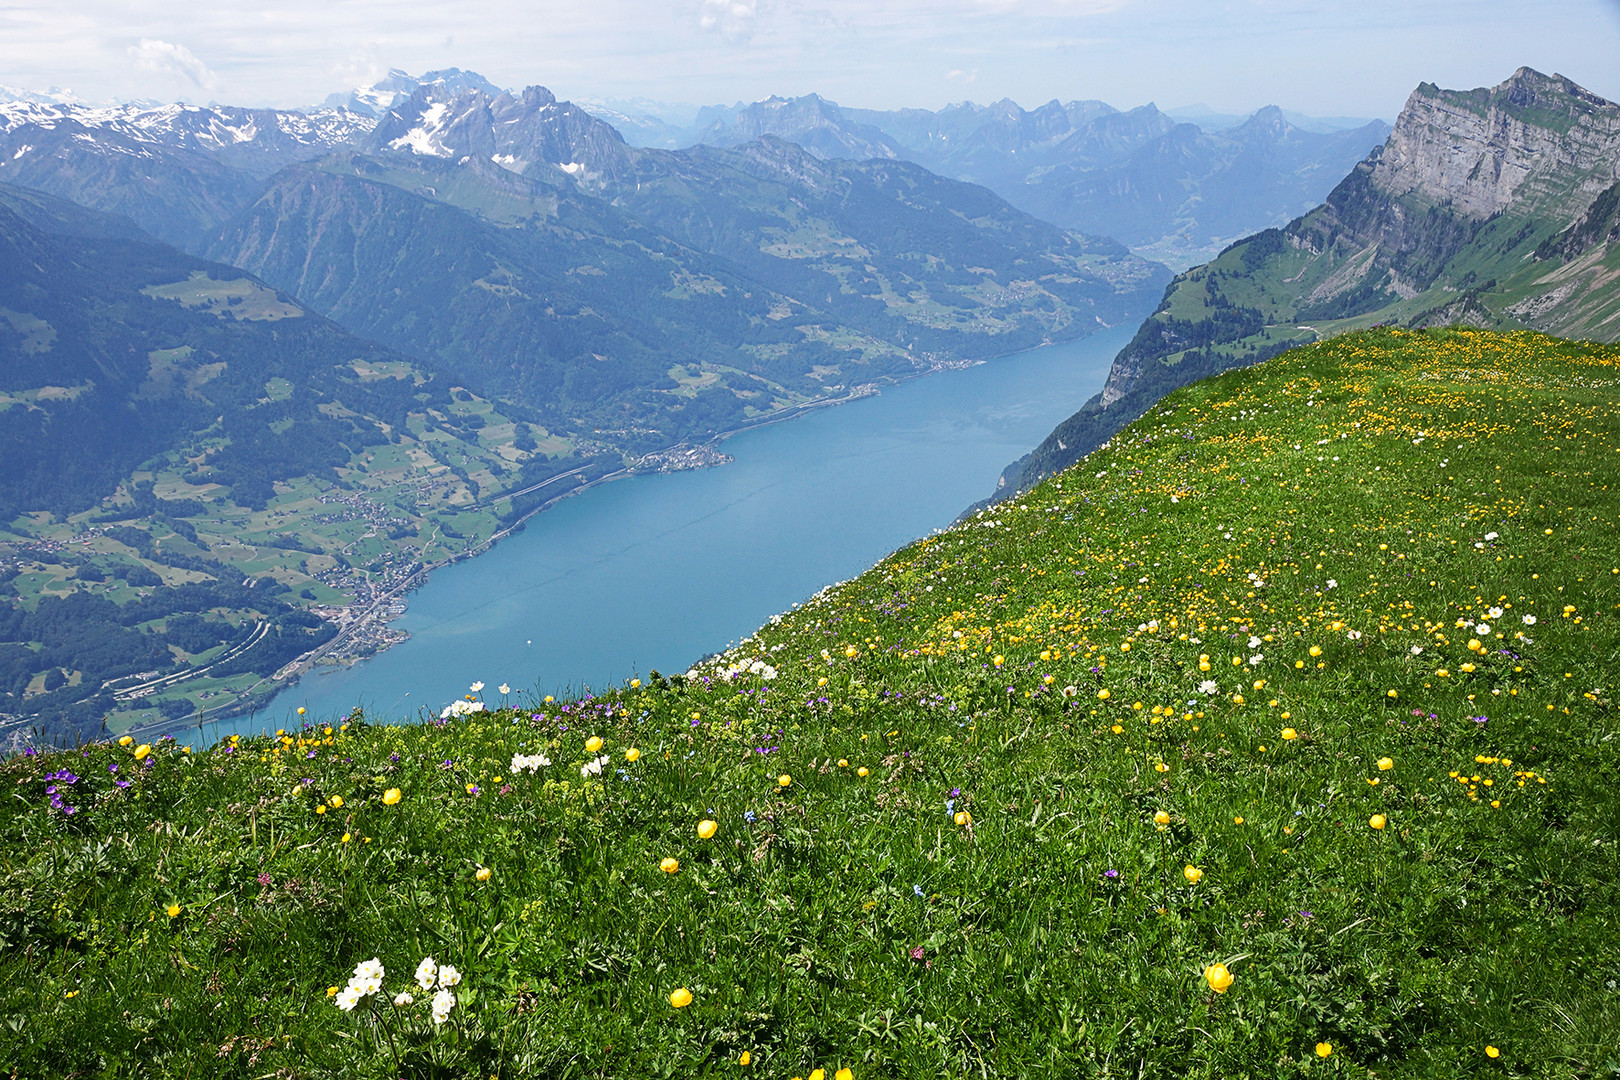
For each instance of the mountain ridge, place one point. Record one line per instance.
(1493, 207)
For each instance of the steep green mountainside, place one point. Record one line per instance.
(650, 296)
(1277, 739)
(1169, 190)
(1494, 208)
(184, 442)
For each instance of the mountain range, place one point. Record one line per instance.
(1497, 207)
(1170, 190)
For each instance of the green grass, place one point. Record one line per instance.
(1003, 756)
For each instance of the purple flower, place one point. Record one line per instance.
(1110, 874)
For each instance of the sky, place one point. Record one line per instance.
(1323, 57)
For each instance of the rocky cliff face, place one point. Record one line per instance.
(1480, 151)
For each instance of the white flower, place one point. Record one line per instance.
(449, 976)
(1417, 650)
(461, 708)
(1529, 620)
(1332, 584)
(475, 687)
(1495, 613)
(368, 970)
(348, 998)
(365, 986)
(503, 688)
(593, 767)
(529, 762)
(1254, 642)
(1208, 686)
(1483, 628)
(1354, 635)
(1254, 661)
(426, 972)
(1490, 536)
(443, 1002)
(403, 998)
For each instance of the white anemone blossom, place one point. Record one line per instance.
(529, 762)
(443, 1002)
(461, 708)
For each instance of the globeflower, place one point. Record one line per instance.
(482, 873)
(1193, 874)
(680, 998)
(1220, 980)
(707, 828)
(669, 865)
(632, 755)
(593, 744)
(1385, 764)
(1378, 821)
(392, 796)
(1161, 818)
(784, 780)
(1323, 1049)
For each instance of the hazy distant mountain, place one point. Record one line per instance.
(1497, 207)
(1168, 189)
(1210, 120)
(176, 170)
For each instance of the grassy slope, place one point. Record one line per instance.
(1357, 506)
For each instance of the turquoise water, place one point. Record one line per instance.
(657, 571)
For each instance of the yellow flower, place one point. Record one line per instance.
(392, 796)
(472, 789)
(1238, 820)
(1316, 650)
(142, 750)
(818, 1074)
(347, 837)
(851, 652)
(963, 817)
(331, 991)
(632, 755)
(634, 683)
(482, 873)
(1385, 764)
(1220, 980)
(862, 771)
(337, 802)
(1117, 729)
(1161, 818)
(1193, 874)
(680, 997)
(1323, 1049)
(784, 780)
(1102, 695)
(125, 741)
(300, 710)
(669, 866)
(1162, 767)
(593, 744)
(1289, 734)
(321, 809)
(843, 763)
(1491, 1051)
(174, 911)
(744, 1058)
(707, 828)
(1378, 821)
(843, 1074)
(1392, 693)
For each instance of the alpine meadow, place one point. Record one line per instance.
(1274, 738)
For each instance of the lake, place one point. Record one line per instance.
(656, 571)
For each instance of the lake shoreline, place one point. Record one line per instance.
(384, 608)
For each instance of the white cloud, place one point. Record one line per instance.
(733, 20)
(167, 58)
